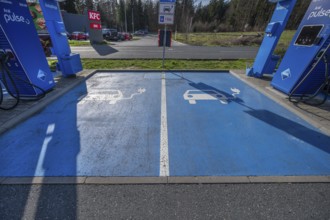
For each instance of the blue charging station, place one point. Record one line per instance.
(266, 61)
(69, 64)
(304, 66)
(25, 57)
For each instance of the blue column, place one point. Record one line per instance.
(266, 61)
(69, 63)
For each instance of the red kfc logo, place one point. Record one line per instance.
(94, 15)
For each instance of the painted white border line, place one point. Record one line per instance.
(164, 180)
(164, 169)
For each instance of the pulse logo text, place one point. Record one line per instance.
(12, 17)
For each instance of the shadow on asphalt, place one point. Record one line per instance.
(293, 128)
(104, 50)
(46, 156)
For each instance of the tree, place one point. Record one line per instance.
(68, 6)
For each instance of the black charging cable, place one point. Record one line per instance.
(324, 87)
(6, 73)
(3, 60)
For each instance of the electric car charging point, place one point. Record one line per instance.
(266, 61)
(196, 125)
(69, 64)
(19, 55)
(304, 68)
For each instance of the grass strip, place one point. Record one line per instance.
(169, 64)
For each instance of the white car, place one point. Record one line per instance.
(193, 95)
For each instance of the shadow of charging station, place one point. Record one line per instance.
(24, 69)
(303, 71)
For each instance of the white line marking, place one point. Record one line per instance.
(164, 160)
(30, 210)
(39, 171)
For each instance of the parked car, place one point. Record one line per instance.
(139, 33)
(121, 36)
(110, 34)
(68, 35)
(77, 35)
(128, 36)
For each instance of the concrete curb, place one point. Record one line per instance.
(162, 180)
(126, 180)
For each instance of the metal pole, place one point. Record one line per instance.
(164, 45)
(132, 19)
(125, 17)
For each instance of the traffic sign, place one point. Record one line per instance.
(166, 19)
(166, 11)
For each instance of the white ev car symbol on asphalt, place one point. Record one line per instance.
(193, 95)
(111, 96)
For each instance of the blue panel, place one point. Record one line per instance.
(90, 131)
(247, 135)
(19, 37)
(303, 55)
(70, 64)
(265, 61)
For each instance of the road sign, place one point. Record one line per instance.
(166, 11)
(166, 19)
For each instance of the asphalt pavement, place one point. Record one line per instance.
(196, 201)
(147, 48)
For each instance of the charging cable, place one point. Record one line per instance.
(7, 75)
(324, 87)
(3, 60)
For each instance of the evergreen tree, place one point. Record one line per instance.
(89, 4)
(68, 6)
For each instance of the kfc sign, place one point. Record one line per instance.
(94, 16)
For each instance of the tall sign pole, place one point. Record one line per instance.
(166, 16)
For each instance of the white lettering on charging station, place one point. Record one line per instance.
(319, 12)
(54, 7)
(12, 17)
(23, 5)
(5, 1)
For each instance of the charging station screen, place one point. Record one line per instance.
(308, 35)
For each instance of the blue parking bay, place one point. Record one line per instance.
(156, 124)
(219, 126)
(107, 126)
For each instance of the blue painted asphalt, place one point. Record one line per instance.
(217, 126)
